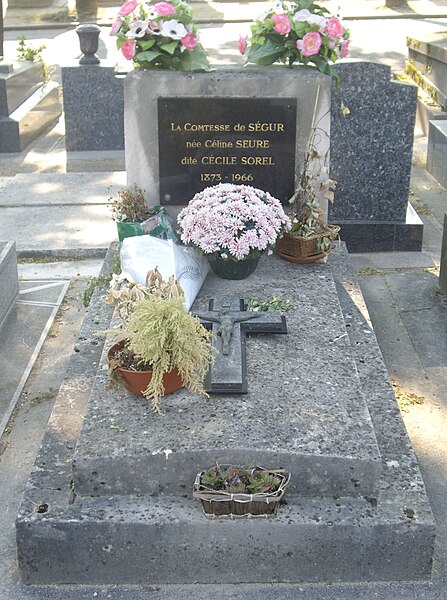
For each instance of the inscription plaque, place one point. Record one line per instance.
(203, 142)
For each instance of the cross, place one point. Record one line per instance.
(230, 323)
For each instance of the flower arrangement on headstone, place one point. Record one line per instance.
(232, 226)
(159, 35)
(297, 32)
(310, 238)
(134, 217)
(160, 346)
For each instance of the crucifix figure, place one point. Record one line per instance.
(230, 323)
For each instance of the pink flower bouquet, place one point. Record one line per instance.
(301, 32)
(159, 35)
(232, 221)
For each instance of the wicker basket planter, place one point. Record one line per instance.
(219, 504)
(304, 247)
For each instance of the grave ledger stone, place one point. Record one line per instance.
(318, 404)
(233, 126)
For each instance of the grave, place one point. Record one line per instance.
(28, 106)
(371, 153)
(110, 497)
(9, 279)
(427, 65)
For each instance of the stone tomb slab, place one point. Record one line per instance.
(304, 409)
(65, 538)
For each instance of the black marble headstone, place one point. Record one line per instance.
(206, 141)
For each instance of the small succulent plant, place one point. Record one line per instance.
(240, 480)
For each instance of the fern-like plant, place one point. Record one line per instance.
(162, 333)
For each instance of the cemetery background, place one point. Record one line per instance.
(401, 292)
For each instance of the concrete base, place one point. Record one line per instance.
(385, 236)
(26, 123)
(437, 151)
(66, 538)
(9, 280)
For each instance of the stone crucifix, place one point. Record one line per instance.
(230, 323)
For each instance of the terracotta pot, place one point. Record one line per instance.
(137, 381)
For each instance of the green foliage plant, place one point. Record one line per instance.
(240, 480)
(165, 335)
(27, 52)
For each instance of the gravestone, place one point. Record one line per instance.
(119, 506)
(372, 124)
(234, 126)
(93, 107)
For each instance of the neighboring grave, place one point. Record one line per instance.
(236, 126)
(427, 65)
(28, 106)
(372, 124)
(120, 508)
(9, 279)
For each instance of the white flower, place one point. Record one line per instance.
(317, 20)
(137, 29)
(173, 29)
(149, 11)
(302, 15)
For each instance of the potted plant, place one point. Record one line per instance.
(310, 238)
(297, 32)
(232, 226)
(228, 491)
(134, 217)
(159, 35)
(161, 346)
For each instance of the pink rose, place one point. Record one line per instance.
(334, 28)
(128, 49)
(310, 44)
(127, 7)
(242, 44)
(282, 24)
(116, 27)
(189, 41)
(164, 8)
(344, 49)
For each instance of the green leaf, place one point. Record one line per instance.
(267, 53)
(147, 56)
(194, 60)
(170, 47)
(146, 44)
